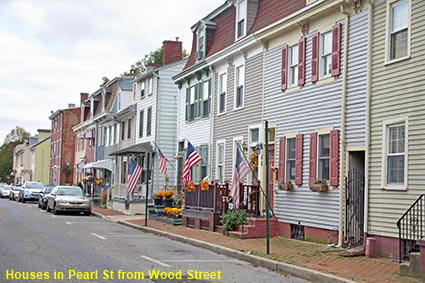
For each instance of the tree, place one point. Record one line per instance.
(17, 135)
(105, 81)
(153, 58)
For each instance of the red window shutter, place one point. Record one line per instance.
(299, 160)
(315, 57)
(282, 151)
(336, 50)
(313, 158)
(284, 67)
(334, 166)
(301, 61)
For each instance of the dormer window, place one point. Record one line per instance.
(201, 44)
(241, 18)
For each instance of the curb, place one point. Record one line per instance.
(297, 271)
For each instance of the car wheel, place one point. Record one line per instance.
(43, 206)
(39, 205)
(87, 213)
(55, 210)
(23, 200)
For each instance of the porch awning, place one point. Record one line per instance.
(134, 149)
(102, 164)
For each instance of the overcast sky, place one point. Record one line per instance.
(50, 51)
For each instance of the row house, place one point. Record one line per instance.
(62, 144)
(41, 157)
(150, 123)
(315, 101)
(22, 161)
(396, 125)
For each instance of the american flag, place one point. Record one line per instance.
(133, 175)
(162, 162)
(240, 172)
(192, 158)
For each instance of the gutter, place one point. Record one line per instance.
(342, 135)
(368, 95)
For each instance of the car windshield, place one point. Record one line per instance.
(34, 186)
(70, 192)
(49, 189)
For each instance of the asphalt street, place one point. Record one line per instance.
(66, 245)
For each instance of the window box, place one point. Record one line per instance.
(286, 186)
(319, 186)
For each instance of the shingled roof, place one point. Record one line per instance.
(269, 12)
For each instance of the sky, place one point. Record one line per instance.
(50, 51)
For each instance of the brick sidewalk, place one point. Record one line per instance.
(106, 211)
(305, 254)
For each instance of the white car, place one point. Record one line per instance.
(30, 191)
(5, 191)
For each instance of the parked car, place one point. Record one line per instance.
(68, 198)
(5, 191)
(30, 191)
(42, 198)
(14, 193)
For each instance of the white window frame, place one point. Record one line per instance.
(201, 33)
(220, 142)
(142, 88)
(390, 4)
(220, 91)
(293, 68)
(322, 75)
(238, 3)
(385, 125)
(237, 84)
(321, 133)
(150, 89)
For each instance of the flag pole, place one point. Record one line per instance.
(266, 130)
(171, 164)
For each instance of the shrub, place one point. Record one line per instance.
(232, 219)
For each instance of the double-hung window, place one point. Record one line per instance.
(150, 86)
(326, 55)
(142, 90)
(141, 117)
(399, 29)
(396, 137)
(129, 129)
(206, 93)
(201, 44)
(324, 150)
(222, 93)
(290, 160)
(122, 130)
(240, 82)
(220, 161)
(241, 18)
(293, 66)
(149, 122)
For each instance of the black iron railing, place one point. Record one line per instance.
(411, 228)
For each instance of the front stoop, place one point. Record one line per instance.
(413, 267)
(256, 228)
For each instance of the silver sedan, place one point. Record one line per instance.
(68, 199)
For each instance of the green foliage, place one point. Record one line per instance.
(105, 80)
(16, 136)
(232, 219)
(67, 171)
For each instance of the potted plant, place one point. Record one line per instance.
(288, 186)
(204, 186)
(158, 199)
(320, 185)
(168, 198)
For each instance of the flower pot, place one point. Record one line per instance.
(158, 201)
(286, 186)
(168, 202)
(319, 187)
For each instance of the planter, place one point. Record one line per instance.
(286, 186)
(168, 202)
(319, 187)
(158, 202)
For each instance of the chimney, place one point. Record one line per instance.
(172, 51)
(71, 105)
(83, 97)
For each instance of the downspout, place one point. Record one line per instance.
(368, 95)
(210, 155)
(342, 142)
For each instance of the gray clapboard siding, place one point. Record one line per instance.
(356, 80)
(397, 91)
(236, 123)
(304, 111)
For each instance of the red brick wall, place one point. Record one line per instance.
(311, 234)
(172, 51)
